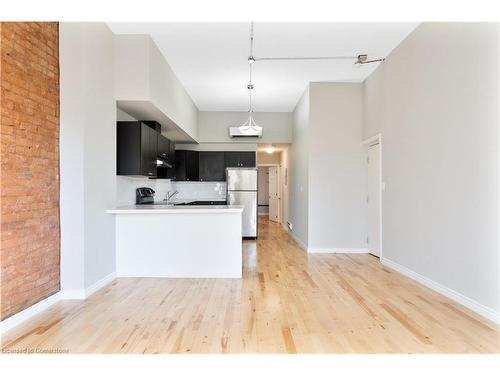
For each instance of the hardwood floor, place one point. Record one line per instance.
(287, 302)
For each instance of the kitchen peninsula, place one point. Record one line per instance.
(178, 241)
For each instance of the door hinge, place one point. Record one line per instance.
(368, 159)
(367, 199)
(367, 240)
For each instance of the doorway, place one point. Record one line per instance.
(374, 197)
(263, 190)
(274, 194)
(268, 192)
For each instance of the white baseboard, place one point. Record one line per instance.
(73, 294)
(473, 305)
(22, 316)
(87, 292)
(337, 250)
(285, 227)
(28, 313)
(299, 242)
(99, 284)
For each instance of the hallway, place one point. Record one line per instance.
(287, 302)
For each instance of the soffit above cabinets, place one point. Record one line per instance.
(210, 59)
(146, 110)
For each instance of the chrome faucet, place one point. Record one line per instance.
(169, 196)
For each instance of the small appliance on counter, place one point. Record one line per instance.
(242, 191)
(144, 195)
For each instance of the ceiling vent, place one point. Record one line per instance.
(245, 132)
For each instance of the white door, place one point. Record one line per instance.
(274, 197)
(373, 199)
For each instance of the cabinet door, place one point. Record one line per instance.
(192, 163)
(163, 147)
(153, 151)
(247, 159)
(179, 170)
(212, 166)
(171, 151)
(148, 151)
(232, 159)
(128, 148)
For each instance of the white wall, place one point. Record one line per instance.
(299, 174)
(143, 75)
(337, 193)
(131, 73)
(214, 126)
(266, 158)
(72, 121)
(435, 101)
(88, 154)
(169, 94)
(217, 146)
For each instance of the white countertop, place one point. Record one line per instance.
(164, 209)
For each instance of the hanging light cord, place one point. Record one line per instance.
(250, 84)
(250, 123)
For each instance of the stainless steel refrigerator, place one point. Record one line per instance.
(242, 191)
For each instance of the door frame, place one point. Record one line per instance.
(280, 216)
(371, 141)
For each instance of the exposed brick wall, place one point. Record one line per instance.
(29, 152)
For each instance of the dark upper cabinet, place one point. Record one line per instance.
(232, 159)
(171, 151)
(164, 148)
(136, 149)
(212, 166)
(167, 148)
(247, 159)
(192, 166)
(239, 159)
(149, 147)
(186, 166)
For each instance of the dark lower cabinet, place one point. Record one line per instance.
(186, 166)
(136, 149)
(239, 159)
(212, 166)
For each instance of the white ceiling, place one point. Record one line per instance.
(210, 59)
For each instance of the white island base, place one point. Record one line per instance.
(180, 242)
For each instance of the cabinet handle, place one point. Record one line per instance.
(150, 173)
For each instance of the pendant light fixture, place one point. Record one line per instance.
(249, 128)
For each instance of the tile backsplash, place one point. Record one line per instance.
(202, 191)
(126, 186)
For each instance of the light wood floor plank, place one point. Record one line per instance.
(287, 302)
